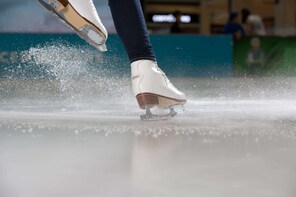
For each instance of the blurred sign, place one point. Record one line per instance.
(163, 14)
(170, 18)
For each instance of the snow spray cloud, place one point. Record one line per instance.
(77, 73)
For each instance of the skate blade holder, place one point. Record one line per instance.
(149, 116)
(93, 37)
(150, 101)
(87, 32)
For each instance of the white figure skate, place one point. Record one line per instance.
(153, 89)
(82, 17)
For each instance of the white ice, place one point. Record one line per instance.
(76, 132)
(84, 138)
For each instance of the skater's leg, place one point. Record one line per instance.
(151, 86)
(131, 27)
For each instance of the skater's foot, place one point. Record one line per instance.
(82, 17)
(153, 89)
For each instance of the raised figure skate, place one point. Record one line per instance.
(153, 89)
(82, 17)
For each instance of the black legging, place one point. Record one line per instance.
(130, 25)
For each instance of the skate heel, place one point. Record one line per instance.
(165, 102)
(83, 27)
(147, 100)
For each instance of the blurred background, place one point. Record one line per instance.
(196, 16)
(262, 33)
(35, 18)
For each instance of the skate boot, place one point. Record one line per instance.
(82, 17)
(153, 89)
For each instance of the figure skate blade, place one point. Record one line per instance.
(149, 116)
(81, 26)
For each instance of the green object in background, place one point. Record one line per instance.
(279, 57)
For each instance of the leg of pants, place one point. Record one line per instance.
(131, 27)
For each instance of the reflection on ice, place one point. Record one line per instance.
(236, 138)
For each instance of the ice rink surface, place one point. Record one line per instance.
(79, 135)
